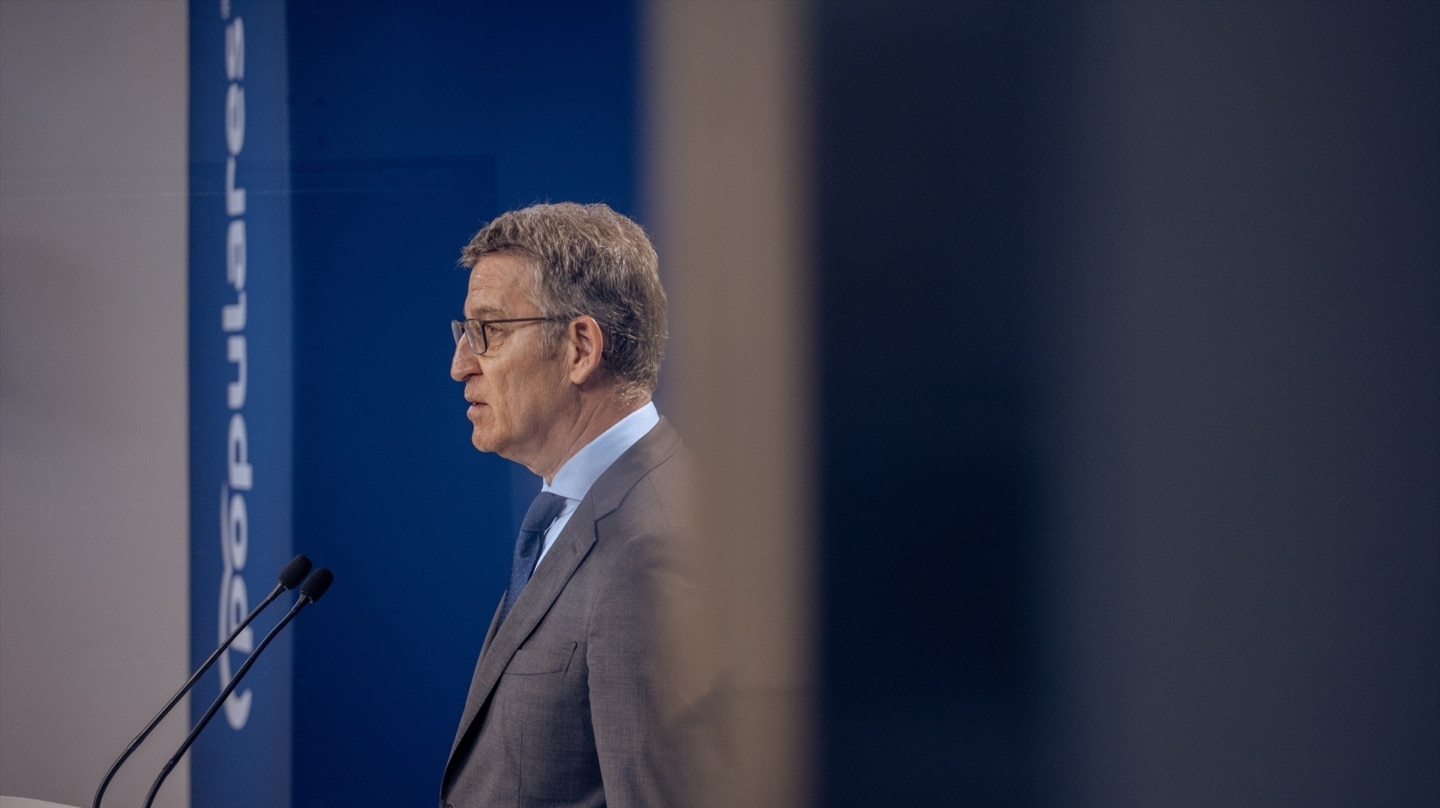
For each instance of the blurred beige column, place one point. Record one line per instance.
(94, 497)
(728, 106)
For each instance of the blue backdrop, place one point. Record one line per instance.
(377, 137)
(240, 390)
(411, 125)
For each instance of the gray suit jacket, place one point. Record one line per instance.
(568, 703)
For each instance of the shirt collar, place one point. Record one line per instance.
(574, 479)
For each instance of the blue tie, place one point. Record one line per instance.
(542, 512)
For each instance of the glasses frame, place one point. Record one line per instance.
(459, 328)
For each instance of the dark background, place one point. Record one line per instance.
(1131, 381)
(929, 122)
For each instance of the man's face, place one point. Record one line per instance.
(517, 392)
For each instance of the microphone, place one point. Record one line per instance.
(289, 577)
(310, 591)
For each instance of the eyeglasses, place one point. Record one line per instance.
(478, 333)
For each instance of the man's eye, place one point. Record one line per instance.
(492, 331)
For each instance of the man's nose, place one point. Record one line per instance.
(463, 363)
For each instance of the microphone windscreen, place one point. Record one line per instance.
(316, 584)
(294, 571)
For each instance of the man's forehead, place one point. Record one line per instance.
(497, 282)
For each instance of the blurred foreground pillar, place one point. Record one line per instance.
(727, 109)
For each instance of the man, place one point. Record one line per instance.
(559, 353)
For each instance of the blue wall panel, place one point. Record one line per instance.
(412, 124)
(240, 390)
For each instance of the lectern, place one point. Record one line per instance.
(26, 802)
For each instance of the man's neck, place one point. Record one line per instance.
(591, 423)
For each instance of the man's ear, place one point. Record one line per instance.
(587, 344)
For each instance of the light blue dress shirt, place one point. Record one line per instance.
(574, 479)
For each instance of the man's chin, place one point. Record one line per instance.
(482, 441)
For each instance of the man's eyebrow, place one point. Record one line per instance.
(480, 312)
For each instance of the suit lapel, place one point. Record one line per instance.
(557, 567)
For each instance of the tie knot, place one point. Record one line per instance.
(542, 512)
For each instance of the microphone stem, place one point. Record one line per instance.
(189, 683)
(300, 603)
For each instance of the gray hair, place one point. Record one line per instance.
(588, 259)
